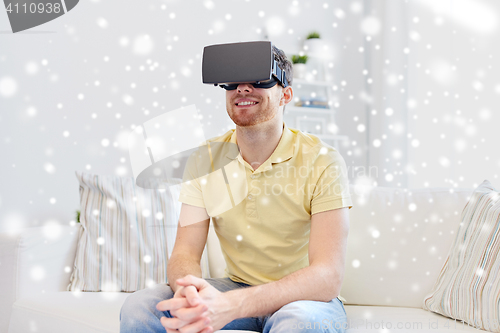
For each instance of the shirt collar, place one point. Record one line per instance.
(282, 153)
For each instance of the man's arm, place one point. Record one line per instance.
(189, 244)
(320, 281)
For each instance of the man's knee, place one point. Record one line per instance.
(311, 316)
(144, 300)
(300, 312)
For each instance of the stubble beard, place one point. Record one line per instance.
(254, 117)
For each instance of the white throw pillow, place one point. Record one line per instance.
(468, 286)
(127, 234)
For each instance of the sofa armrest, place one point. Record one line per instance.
(33, 261)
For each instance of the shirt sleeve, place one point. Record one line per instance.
(332, 187)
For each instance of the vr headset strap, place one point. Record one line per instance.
(280, 74)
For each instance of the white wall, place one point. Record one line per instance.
(437, 70)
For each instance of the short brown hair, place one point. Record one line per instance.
(284, 63)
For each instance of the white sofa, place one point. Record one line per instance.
(398, 242)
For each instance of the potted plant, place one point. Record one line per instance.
(313, 35)
(299, 66)
(313, 43)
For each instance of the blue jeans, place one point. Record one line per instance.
(139, 313)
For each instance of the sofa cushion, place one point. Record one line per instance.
(34, 260)
(75, 312)
(398, 241)
(468, 286)
(128, 234)
(383, 319)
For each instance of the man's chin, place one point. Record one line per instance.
(250, 121)
(245, 123)
(243, 119)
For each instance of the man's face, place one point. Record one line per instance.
(248, 106)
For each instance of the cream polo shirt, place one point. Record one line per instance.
(264, 234)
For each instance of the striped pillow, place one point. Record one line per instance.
(127, 234)
(468, 287)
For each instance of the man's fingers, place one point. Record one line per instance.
(208, 329)
(176, 323)
(178, 292)
(172, 323)
(192, 280)
(172, 331)
(191, 294)
(196, 326)
(190, 314)
(172, 304)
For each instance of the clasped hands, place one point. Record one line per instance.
(197, 307)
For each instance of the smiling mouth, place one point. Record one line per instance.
(246, 103)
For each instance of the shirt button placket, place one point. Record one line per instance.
(251, 208)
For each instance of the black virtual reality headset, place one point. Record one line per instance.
(227, 65)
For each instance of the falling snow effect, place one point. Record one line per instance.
(8, 86)
(416, 101)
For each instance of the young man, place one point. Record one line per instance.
(284, 244)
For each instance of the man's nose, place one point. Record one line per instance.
(244, 87)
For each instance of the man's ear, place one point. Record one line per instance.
(286, 95)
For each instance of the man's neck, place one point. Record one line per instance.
(258, 142)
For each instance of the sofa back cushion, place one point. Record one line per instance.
(127, 234)
(398, 242)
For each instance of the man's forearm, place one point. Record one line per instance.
(315, 283)
(179, 266)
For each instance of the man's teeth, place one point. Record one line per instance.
(247, 103)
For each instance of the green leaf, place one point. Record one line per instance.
(298, 59)
(313, 34)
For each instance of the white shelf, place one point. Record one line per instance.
(306, 117)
